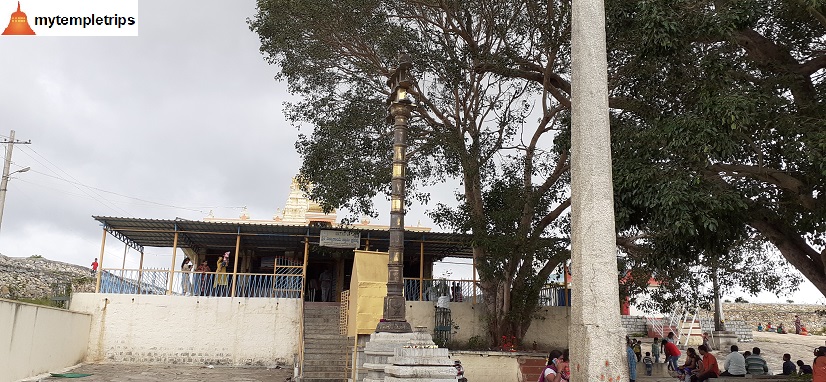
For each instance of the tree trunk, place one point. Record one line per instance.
(795, 249)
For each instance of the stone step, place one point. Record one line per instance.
(326, 376)
(336, 357)
(305, 379)
(340, 362)
(318, 335)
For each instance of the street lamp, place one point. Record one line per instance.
(400, 107)
(4, 186)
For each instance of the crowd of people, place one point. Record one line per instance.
(799, 328)
(700, 364)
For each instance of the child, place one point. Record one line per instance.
(655, 349)
(638, 349)
(649, 364)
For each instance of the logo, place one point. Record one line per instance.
(19, 24)
(71, 17)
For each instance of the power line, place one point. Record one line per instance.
(75, 184)
(78, 183)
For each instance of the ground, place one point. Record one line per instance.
(773, 346)
(114, 372)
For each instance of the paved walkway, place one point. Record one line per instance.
(108, 372)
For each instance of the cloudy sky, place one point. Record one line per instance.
(182, 120)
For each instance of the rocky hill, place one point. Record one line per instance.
(37, 277)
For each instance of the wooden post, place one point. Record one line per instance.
(100, 261)
(235, 262)
(172, 268)
(123, 265)
(140, 273)
(474, 278)
(421, 270)
(304, 267)
(565, 281)
(301, 305)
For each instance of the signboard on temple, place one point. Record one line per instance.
(339, 239)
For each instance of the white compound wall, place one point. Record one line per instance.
(36, 339)
(190, 330)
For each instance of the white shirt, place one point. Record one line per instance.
(735, 364)
(548, 371)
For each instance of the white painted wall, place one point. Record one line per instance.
(36, 339)
(549, 327)
(191, 330)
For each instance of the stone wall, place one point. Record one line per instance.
(32, 277)
(741, 328)
(634, 325)
(191, 330)
(775, 313)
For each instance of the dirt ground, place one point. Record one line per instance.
(112, 372)
(773, 346)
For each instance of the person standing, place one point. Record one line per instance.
(202, 278)
(186, 282)
(735, 363)
(94, 267)
(220, 283)
(655, 350)
(638, 350)
(649, 363)
(819, 365)
(326, 279)
(672, 354)
(632, 361)
(797, 324)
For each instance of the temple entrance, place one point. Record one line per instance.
(322, 277)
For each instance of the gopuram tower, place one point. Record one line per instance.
(19, 24)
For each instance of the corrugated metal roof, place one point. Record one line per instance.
(138, 232)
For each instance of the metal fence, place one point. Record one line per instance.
(286, 282)
(464, 291)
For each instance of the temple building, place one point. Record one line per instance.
(19, 24)
(300, 242)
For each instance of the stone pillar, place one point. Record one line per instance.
(596, 336)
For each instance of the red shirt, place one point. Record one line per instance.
(95, 266)
(710, 364)
(671, 349)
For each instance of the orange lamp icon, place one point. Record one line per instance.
(19, 24)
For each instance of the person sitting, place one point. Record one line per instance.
(708, 366)
(759, 326)
(755, 364)
(692, 364)
(780, 329)
(735, 363)
(803, 331)
(803, 368)
(769, 327)
(788, 366)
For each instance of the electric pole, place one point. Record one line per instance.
(6, 175)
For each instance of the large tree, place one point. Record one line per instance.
(717, 125)
(493, 133)
(724, 135)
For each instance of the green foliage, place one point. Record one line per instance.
(35, 257)
(472, 124)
